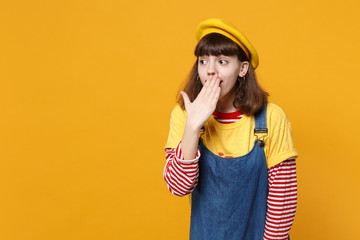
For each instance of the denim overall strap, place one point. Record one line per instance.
(260, 120)
(230, 199)
(261, 130)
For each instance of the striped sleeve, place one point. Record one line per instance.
(282, 200)
(181, 176)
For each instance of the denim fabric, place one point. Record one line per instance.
(229, 202)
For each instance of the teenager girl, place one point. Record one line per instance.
(228, 147)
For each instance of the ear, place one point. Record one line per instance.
(244, 67)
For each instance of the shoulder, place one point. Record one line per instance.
(177, 126)
(178, 110)
(178, 114)
(276, 114)
(280, 145)
(274, 110)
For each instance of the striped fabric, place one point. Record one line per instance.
(181, 177)
(282, 200)
(227, 117)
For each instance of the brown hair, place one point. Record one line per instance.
(249, 96)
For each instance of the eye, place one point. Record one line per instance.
(222, 61)
(202, 61)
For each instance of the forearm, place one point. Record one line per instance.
(181, 176)
(189, 142)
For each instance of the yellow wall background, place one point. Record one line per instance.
(86, 90)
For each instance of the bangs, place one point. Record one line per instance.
(216, 44)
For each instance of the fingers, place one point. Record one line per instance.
(214, 82)
(205, 86)
(209, 84)
(215, 91)
(210, 92)
(216, 96)
(186, 98)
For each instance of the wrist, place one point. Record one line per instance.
(192, 127)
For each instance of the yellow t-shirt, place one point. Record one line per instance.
(237, 139)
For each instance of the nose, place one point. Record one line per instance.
(211, 68)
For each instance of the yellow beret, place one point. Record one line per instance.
(216, 25)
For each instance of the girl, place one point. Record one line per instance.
(228, 147)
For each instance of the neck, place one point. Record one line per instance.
(225, 103)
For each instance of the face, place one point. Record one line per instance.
(228, 68)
